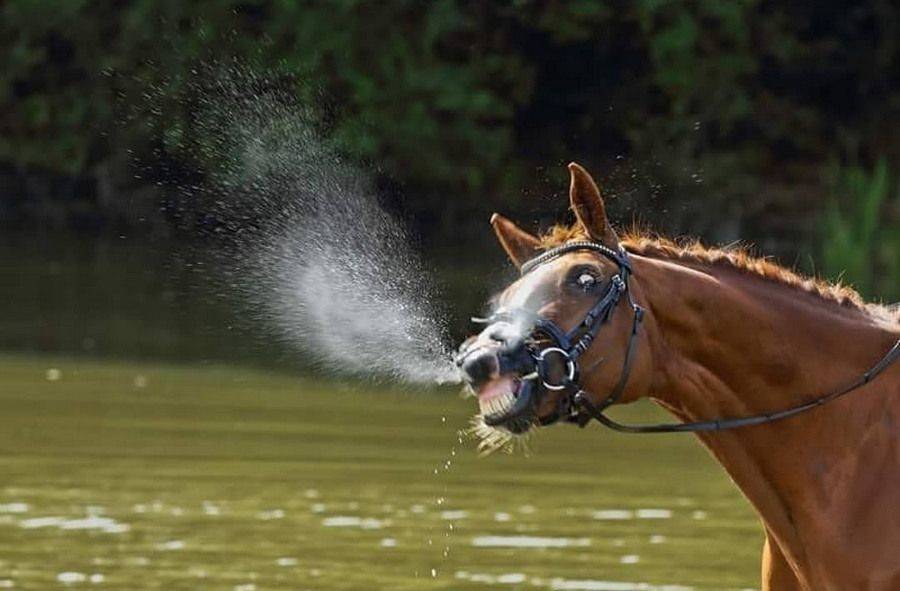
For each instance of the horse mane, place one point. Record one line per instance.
(737, 257)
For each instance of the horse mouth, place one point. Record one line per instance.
(507, 402)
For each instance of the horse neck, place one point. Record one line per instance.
(725, 343)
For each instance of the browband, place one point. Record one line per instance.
(618, 256)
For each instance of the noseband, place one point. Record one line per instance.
(576, 404)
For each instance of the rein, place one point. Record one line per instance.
(577, 406)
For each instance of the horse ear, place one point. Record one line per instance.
(518, 244)
(589, 207)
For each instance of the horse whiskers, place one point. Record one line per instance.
(491, 439)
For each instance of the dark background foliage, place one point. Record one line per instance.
(723, 119)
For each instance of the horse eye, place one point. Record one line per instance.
(586, 281)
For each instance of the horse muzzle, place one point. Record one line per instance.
(481, 364)
(499, 366)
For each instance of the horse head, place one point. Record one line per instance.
(566, 333)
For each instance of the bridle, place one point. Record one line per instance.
(576, 404)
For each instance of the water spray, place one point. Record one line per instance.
(313, 255)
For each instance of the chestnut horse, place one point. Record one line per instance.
(714, 333)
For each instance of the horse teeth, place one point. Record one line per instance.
(498, 404)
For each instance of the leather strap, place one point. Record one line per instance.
(722, 424)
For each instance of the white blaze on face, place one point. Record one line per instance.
(529, 291)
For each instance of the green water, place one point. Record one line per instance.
(142, 298)
(125, 476)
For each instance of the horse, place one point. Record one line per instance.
(789, 381)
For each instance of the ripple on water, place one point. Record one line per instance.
(210, 508)
(105, 524)
(350, 521)
(654, 514)
(271, 514)
(137, 561)
(595, 585)
(14, 508)
(91, 522)
(613, 514)
(623, 514)
(71, 577)
(528, 542)
(504, 579)
(171, 545)
(560, 584)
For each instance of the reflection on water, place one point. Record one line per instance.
(560, 584)
(91, 522)
(229, 479)
(123, 297)
(527, 542)
(134, 297)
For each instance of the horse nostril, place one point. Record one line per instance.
(479, 367)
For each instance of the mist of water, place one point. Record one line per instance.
(344, 286)
(315, 258)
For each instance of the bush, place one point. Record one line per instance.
(861, 231)
(473, 100)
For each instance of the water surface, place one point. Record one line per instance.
(133, 476)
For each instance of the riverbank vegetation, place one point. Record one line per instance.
(704, 118)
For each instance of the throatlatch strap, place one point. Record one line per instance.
(629, 359)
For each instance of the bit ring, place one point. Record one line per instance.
(570, 368)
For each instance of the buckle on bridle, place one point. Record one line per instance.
(541, 363)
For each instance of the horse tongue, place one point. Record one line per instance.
(496, 388)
